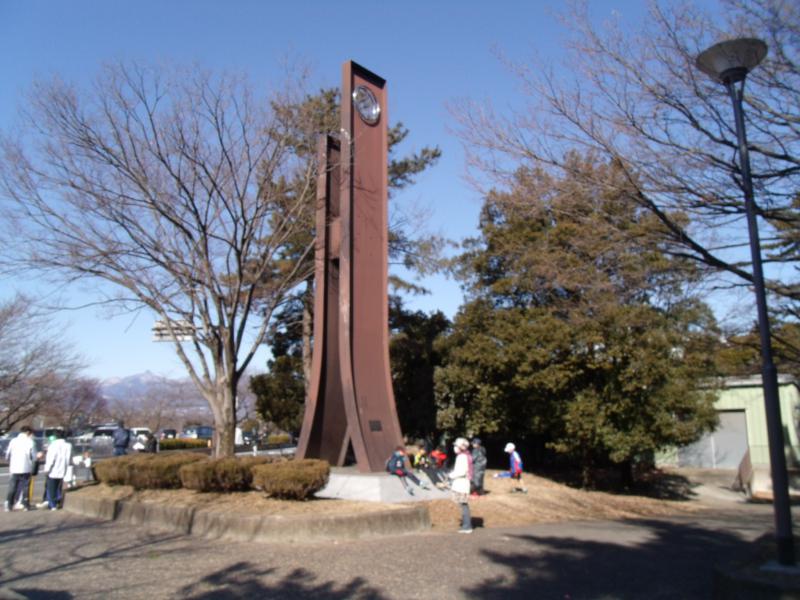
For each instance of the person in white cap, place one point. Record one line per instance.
(514, 467)
(460, 476)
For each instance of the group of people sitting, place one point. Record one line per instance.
(432, 463)
(465, 480)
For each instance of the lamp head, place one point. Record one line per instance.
(730, 61)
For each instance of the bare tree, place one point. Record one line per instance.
(35, 368)
(634, 96)
(179, 189)
(79, 403)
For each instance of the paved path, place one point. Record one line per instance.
(58, 555)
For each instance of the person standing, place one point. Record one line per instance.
(460, 476)
(478, 466)
(122, 438)
(21, 456)
(59, 455)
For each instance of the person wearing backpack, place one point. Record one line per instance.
(122, 438)
(396, 465)
(460, 478)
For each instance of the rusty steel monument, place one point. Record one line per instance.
(350, 404)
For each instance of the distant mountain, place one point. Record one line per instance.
(137, 386)
(150, 390)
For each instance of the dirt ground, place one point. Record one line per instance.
(548, 501)
(545, 501)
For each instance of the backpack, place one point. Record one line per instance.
(395, 463)
(470, 468)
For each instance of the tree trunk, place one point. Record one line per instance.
(626, 474)
(224, 419)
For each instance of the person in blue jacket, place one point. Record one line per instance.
(396, 465)
(122, 438)
(514, 467)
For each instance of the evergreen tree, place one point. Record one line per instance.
(578, 328)
(414, 358)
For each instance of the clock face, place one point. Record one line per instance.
(367, 105)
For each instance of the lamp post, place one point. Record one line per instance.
(729, 63)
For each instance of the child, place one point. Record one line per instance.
(478, 466)
(514, 467)
(88, 475)
(396, 465)
(460, 477)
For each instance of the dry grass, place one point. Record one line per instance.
(546, 501)
(236, 502)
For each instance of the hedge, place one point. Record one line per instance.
(293, 479)
(116, 471)
(145, 471)
(277, 439)
(182, 444)
(231, 474)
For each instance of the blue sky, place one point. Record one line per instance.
(429, 52)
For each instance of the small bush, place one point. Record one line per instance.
(293, 480)
(156, 471)
(198, 476)
(276, 439)
(115, 471)
(221, 475)
(235, 474)
(182, 444)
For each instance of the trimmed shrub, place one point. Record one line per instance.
(293, 479)
(198, 476)
(156, 471)
(145, 471)
(276, 439)
(115, 471)
(231, 474)
(182, 444)
(235, 474)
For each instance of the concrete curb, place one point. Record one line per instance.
(267, 528)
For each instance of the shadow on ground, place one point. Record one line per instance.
(677, 561)
(244, 580)
(656, 483)
(239, 580)
(37, 594)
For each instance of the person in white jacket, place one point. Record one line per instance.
(59, 455)
(460, 476)
(21, 456)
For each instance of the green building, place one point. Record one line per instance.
(743, 426)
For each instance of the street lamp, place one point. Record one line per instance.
(729, 63)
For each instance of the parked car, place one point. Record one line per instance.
(104, 432)
(84, 437)
(168, 434)
(5, 440)
(137, 431)
(200, 432)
